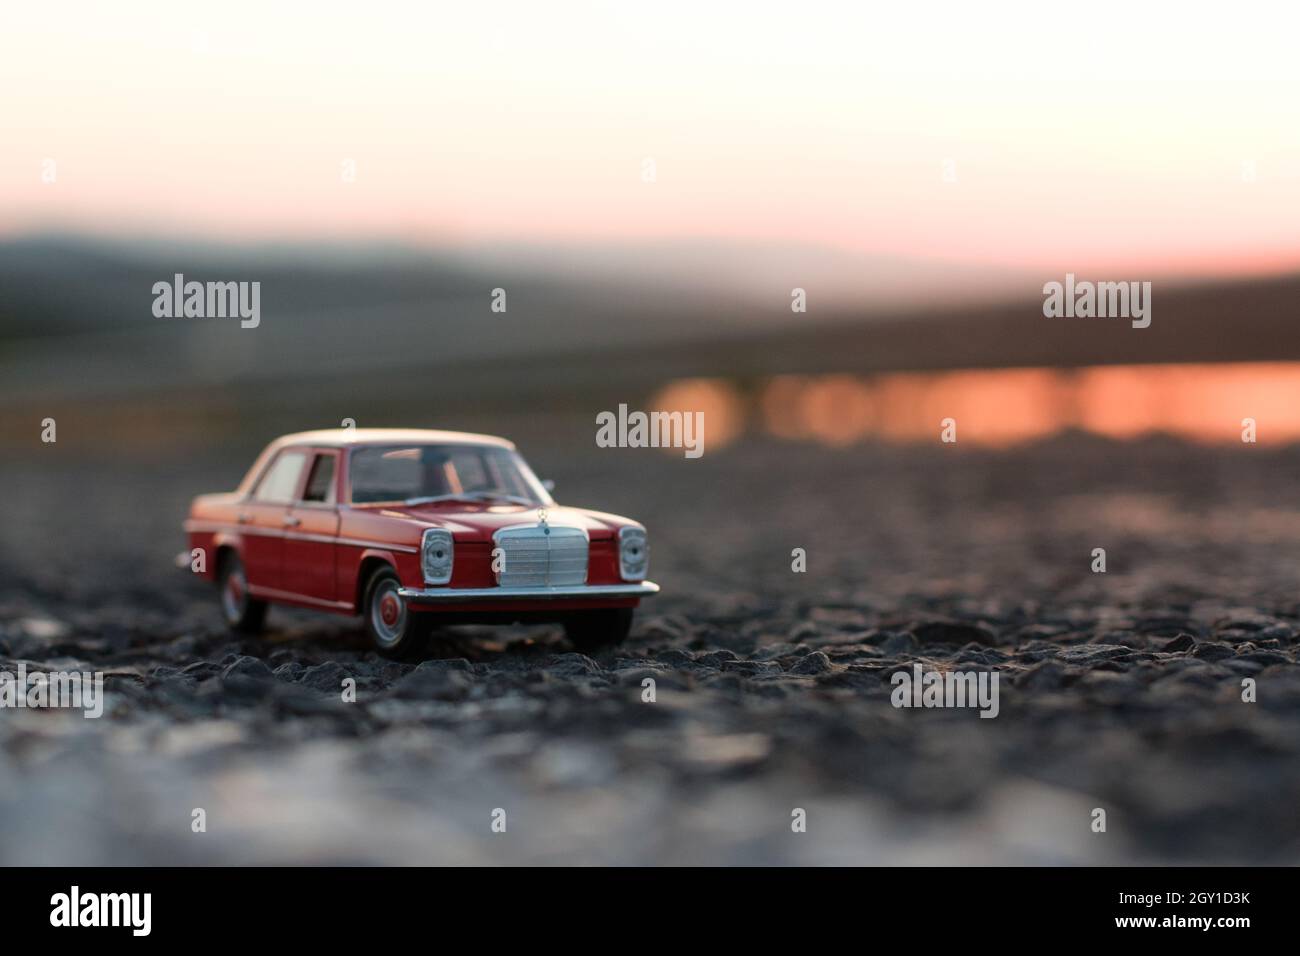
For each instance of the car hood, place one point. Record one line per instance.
(478, 522)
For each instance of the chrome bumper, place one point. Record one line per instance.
(567, 593)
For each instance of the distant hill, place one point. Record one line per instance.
(76, 323)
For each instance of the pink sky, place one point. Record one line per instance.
(1108, 137)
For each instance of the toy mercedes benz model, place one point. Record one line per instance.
(411, 528)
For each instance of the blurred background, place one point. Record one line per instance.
(651, 186)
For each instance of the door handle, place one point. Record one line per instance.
(244, 518)
(291, 522)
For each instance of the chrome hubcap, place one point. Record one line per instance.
(389, 610)
(233, 594)
(387, 613)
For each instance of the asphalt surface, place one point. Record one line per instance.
(1119, 691)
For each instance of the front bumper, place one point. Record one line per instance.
(578, 592)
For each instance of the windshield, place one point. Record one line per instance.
(416, 474)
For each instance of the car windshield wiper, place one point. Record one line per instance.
(428, 499)
(469, 496)
(497, 496)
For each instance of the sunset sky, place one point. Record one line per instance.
(1083, 137)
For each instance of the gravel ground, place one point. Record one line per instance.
(1120, 690)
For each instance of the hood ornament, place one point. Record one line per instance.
(541, 517)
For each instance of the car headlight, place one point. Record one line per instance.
(633, 554)
(436, 554)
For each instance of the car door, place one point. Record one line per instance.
(311, 530)
(262, 519)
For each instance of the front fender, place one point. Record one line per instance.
(352, 560)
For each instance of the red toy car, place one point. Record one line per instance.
(409, 528)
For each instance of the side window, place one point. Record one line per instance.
(320, 484)
(281, 480)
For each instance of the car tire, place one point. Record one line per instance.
(594, 630)
(242, 612)
(394, 629)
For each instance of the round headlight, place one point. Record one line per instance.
(633, 554)
(436, 554)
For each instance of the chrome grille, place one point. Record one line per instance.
(539, 556)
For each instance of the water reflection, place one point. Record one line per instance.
(1002, 407)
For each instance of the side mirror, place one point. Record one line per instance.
(548, 484)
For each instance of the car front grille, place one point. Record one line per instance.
(537, 556)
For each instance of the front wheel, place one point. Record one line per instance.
(242, 612)
(593, 630)
(395, 630)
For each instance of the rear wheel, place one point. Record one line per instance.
(242, 612)
(394, 629)
(593, 630)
